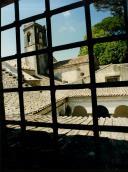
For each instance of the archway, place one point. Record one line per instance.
(121, 111)
(102, 111)
(80, 111)
(68, 110)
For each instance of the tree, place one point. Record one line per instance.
(109, 52)
(115, 6)
(111, 25)
(112, 52)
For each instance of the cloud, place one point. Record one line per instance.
(67, 29)
(67, 14)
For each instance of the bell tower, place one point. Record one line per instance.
(35, 39)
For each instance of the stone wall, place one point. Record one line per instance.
(120, 70)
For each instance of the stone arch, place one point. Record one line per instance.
(121, 111)
(79, 111)
(102, 111)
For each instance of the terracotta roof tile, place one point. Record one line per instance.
(37, 100)
(113, 91)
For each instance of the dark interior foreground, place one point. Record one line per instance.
(36, 152)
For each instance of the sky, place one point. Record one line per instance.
(67, 27)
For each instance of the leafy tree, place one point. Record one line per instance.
(111, 25)
(109, 52)
(113, 52)
(115, 6)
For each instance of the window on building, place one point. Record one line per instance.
(112, 78)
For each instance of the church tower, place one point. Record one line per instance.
(35, 39)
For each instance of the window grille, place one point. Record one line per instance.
(90, 42)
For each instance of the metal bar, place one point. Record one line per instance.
(108, 128)
(126, 22)
(68, 87)
(51, 70)
(45, 88)
(122, 37)
(67, 46)
(126, 15)
(92, 68)
(22, 55)
(2, 114)
(18, 48)
(5, 2)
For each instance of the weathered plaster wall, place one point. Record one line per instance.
(120, 70)
(72, 73)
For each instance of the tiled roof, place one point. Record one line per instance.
(33, 100)
(36, 100)
(70, 62)
(104, 92)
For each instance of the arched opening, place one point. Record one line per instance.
(40, 37)
(28, 38)
(121, 111)
(80, 111)
(102, 111)
(68, 110)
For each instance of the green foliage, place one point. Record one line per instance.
(111, 25)
(83, 51)
(111, 52)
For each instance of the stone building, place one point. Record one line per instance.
(78, 101)
(35, 39)
(73, 70)
(76, 70)
(111, 73)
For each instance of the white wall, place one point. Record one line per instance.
(113, 70)
(72, 73)
(71, 76)
(109, 102)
